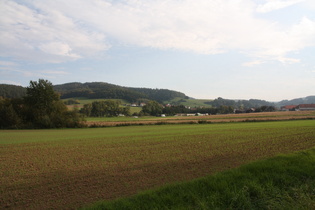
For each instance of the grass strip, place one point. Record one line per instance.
(282, 182)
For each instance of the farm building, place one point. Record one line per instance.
(305, 107)
(288, 108)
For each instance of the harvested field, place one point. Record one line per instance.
(70, 168)
(261, 116)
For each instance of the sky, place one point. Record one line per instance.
(234, 49)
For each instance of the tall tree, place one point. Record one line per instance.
(152, 108)
(44, 109)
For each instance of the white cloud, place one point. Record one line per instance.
(54, 72)
(272, 5)
(252, 63)
(58, 48)
(200, 26)
(57, 31)
(7, 63)
(49, 36)
(310, 4)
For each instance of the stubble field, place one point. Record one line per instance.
(71, 168)
(220, 118)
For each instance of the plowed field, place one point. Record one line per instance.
(70, 168)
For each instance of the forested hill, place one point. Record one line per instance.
(253, 103)
(12, 91)
(98, 90)
(306, 100)
(95, 90)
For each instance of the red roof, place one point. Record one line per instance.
(306, 106)
(289, 107)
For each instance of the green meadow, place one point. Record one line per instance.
(72, 168)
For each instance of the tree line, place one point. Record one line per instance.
(40, 108)
(240, 104)
(153, 108)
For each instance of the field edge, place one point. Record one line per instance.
(280, 182)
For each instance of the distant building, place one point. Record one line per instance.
(288, 108)
(189, 115)
(305, 107)
(199, 114)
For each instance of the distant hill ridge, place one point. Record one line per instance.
(97, 90)
(297, 101)
(12, 91)
(94, 90)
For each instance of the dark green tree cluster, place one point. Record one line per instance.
(10, 113)
(71, 102)
(152, 108)
(108, 108)
(265, 109)
(172, 110)
(159, 95)
(40, 108)
(239, 104)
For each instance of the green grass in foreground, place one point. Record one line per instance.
(283, 182)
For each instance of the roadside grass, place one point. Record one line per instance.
(70, 168)
(282, 182)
